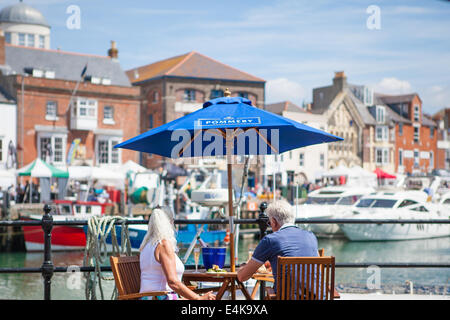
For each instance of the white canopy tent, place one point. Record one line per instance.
(101, 175)
(132, 166)
(7, 178)
(355, 176)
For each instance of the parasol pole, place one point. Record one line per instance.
(229, 141)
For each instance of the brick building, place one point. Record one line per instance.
(174, 87)
(415, 134)
(442, 119)
(380, 131)
(68, 98)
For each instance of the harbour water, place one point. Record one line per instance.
(67, 286)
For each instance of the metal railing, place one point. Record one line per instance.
(47, 268)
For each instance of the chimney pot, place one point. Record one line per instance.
(113, 52)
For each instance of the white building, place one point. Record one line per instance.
(299, 165)
(25, 26)
(8, 129)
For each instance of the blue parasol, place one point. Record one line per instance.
(227, 126)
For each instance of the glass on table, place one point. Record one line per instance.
(196, 257)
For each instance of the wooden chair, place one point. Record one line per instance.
(127, 275)
(295, 280)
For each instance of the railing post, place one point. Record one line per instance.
(47, 266)
(263, 221)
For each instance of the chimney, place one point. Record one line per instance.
(113, 53)
(340, 80)
(2, 48)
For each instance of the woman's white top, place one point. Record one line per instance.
(152, 274)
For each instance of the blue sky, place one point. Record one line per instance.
(294, 45)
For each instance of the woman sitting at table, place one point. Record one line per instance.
(161, 268)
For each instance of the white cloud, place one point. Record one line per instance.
(393, 86)
(435, 98)
(282, 89)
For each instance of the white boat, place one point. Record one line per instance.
(407, 205)
(329, 203)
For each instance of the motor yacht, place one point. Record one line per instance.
(329, 203)
(407, 205)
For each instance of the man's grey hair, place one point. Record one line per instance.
(281, 211)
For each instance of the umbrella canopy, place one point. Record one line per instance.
(383, 175)
(41, 169)
(227, 126)
(205, 131)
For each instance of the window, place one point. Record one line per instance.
(8, 37)
(380, 113)
(400, 129)
(406, 203)
(416, 134)
(431, 166)
(349, 200)
(150, 121)
(41, 42)
(21, 39)
(30, 40)
(189, 95)
(108, 114)
(51, 147)
(106, 153)
(243, 95)
(302, 159)
(51, 111)
(431, 132)
(400, 157)
(416, 113)
(216, 94)
(1, 149)
(416, 158)
(322, 160)
(382, 133)
(87, 108)
(382, 156)
(155, 97)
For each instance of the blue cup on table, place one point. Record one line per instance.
(214, 256)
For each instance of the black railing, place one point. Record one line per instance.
(47, 268)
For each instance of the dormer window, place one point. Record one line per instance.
(380, 114)
(39, 73)
(368, 96)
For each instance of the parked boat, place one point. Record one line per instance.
(63, 237)
(408, 205)
(329, 203)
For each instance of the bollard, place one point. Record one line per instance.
(263, 221)
(47, 266)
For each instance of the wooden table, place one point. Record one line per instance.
(229, 281)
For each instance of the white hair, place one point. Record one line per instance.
(160, 227)
(281, 211)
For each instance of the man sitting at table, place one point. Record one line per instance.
(287, 240)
